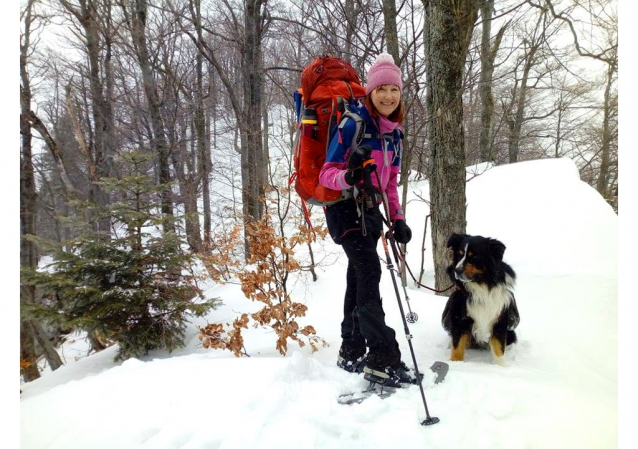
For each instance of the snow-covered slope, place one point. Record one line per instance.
(559, 389)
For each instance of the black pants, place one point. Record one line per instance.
(364, 317)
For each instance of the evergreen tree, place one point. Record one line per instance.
(137, 286)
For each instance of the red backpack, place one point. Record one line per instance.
(328, 86)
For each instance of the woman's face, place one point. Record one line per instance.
(386, 98)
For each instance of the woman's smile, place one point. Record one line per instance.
(386, 98)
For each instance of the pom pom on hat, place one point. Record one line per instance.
(383, 71)
(383, 57)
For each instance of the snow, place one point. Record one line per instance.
(559, 387)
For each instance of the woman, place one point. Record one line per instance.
(357, 228)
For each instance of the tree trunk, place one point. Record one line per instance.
(266, 127)
(448, 31)
(203, 150)
(488, 56)
(213, 108)
(561, 109)
(211, 128)
(138, 33)
(96, 344)
(248, 113)
(27, 351)
(102, 138)
(100, 147)
(603, 177)
(205, 171)
(28, 251)
(469, 113)
(187, 186)
(517, 122)
(105, 165)
(390, 25)
(252, 159)
(351, 28)
(50, 354)
(28, 257)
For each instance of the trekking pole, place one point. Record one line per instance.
(367, 170)
(411, 316)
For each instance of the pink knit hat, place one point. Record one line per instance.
(383, 71)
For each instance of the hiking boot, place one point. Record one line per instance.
(381, 358)
(352, 357)
(405, 375)
(384, 366)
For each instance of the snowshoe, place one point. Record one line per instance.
(383, 385)
(381, 378)
(392, 377)
(359, 397)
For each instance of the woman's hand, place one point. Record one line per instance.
(402, 232)
(355, 164)
(359, 156)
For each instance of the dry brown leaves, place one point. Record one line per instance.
(212, 336)
(271, 263)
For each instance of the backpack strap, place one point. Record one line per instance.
(360, 124)
(360, 127)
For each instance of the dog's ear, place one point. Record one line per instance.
(497, 249)
(455, 240)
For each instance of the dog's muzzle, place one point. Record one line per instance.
(460, 275)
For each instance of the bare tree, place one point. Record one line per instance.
(28, 256)
(30, 331)
(87, 13)
(247, 35)
(488, 56)
(203, 150)
(390, 28)
(531, 43)
(608, 134)
(253, 163)
(136, 17)
(182, 116)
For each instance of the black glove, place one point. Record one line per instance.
(402, 232)
(353, 176)
(358, 157)
(355, 164)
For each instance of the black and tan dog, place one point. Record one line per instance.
(482, 311)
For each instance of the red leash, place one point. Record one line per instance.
(395, 249)
(402, 257)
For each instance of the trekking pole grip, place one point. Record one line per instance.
(368, 168)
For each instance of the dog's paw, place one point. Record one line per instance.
(500, 361)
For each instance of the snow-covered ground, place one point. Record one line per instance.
(558, 390)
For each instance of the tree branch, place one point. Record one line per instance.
(580, 51)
